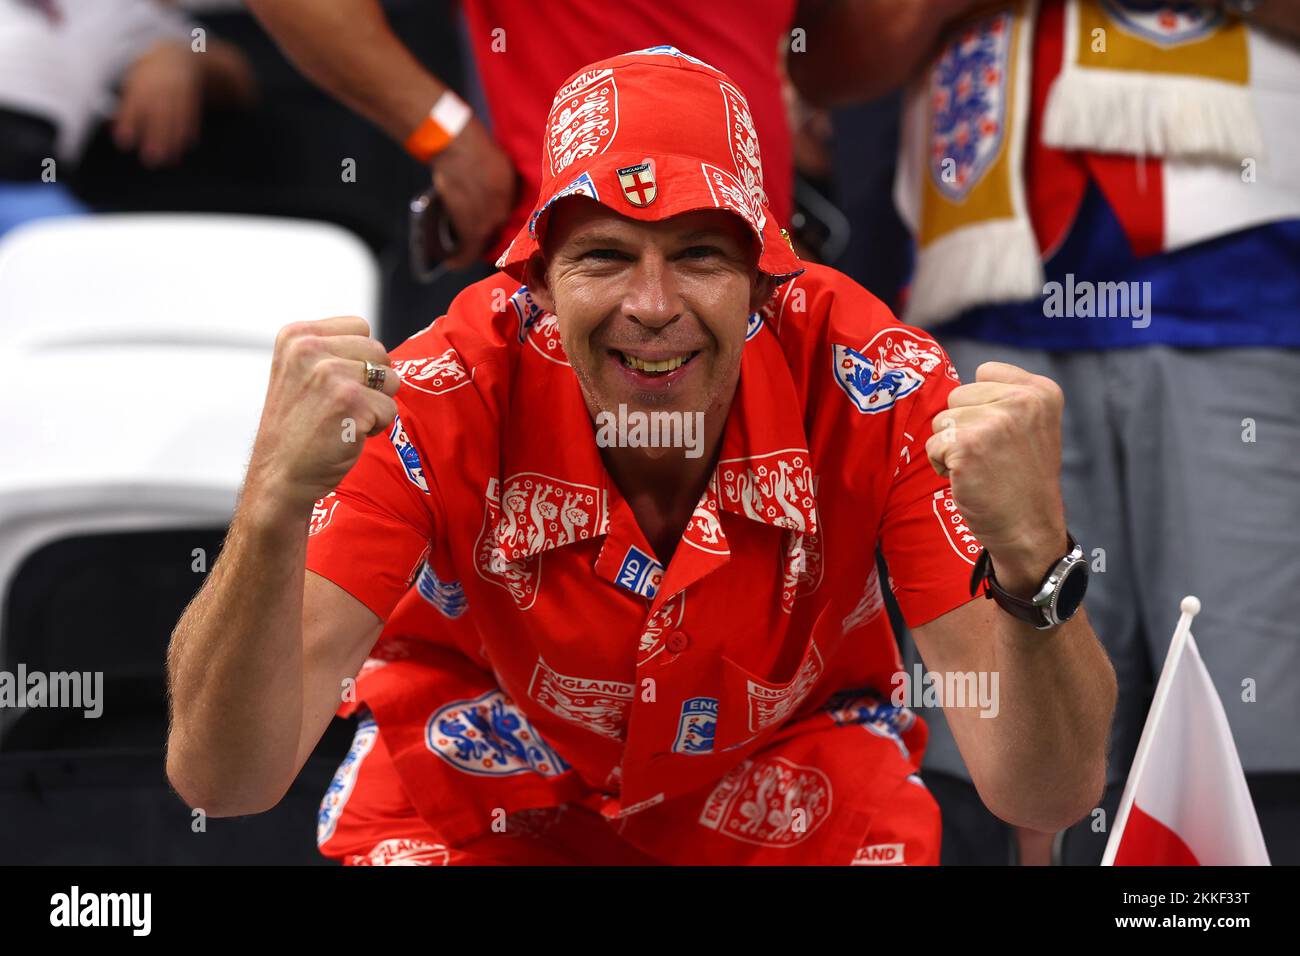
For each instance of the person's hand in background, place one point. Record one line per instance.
(161, 104)
(163, 93)
(476, 182)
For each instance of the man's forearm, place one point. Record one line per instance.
(235, 670)
(1036, 748)
(1040, 762)
(1047, 745)
(1058, 688)
(858, 50)
(347, 48)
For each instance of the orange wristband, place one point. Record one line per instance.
(443, 124)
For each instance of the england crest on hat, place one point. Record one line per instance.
(638, 182)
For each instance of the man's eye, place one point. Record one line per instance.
(700, 252)
(603, 255)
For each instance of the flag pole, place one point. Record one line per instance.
(1190, 606)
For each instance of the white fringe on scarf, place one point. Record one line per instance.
(1151, 114)
(975, 265)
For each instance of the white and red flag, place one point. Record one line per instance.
(1186, 801)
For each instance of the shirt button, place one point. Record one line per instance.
(678, 642)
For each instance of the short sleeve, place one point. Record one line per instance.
(928, 547)
(369, 535)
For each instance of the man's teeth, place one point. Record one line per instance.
(665, 365)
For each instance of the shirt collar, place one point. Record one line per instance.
(764, 469)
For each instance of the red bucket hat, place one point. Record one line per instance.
(654, 134)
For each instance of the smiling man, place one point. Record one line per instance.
(562, 649)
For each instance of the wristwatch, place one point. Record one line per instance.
(1058, 596)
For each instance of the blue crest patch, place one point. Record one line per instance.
(871, 386)
(526, 309)
(753, 324)
(490, 736)
(696, 728)
(408, 454)
(640, 573)
(582, 186)
(345, 778)
(881, 719)
(447, 596)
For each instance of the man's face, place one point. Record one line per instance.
(651, 315)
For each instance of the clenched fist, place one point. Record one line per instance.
(318, 411)
(999, 441)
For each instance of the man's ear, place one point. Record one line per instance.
(535, 279)
(760, 291)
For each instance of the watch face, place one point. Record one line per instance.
(1069, 595)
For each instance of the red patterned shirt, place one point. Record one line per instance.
(486, 532)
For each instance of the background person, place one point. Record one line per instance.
(1200, 222)
(522, 52)
(60, 63)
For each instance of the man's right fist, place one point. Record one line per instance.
(318, 412)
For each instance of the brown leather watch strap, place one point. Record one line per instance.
(1019, 608)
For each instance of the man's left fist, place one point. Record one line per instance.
(999, 441)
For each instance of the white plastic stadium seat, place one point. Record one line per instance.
(179, 279)
(135, 352)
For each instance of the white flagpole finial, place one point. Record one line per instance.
(1191, 606)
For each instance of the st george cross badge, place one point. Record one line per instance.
(638, 182)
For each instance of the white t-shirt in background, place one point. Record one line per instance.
(65, 68)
